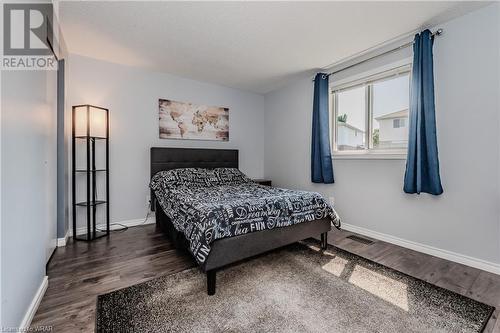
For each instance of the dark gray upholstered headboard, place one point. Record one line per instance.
(174, 158)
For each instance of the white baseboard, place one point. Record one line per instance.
(62, 241)
(114, 225)
(28, 317)
(434, 251)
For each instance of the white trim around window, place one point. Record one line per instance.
(366, 81)
(370, 155)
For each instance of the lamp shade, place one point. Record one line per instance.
(90, 120)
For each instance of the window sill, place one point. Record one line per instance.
(369, 156)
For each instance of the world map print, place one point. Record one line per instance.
(180, 120)
(210, 204)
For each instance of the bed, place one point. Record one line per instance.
(205, 205)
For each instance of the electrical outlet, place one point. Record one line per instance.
(148, 200)
(332, 201)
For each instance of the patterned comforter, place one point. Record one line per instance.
(206, 205)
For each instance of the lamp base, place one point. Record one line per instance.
(93, 236)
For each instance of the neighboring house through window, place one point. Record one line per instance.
(393, 132)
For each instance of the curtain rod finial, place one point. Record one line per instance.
(439, 32)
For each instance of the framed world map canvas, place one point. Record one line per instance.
(181, 120)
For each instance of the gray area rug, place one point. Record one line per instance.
(295, 289)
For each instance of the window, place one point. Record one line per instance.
(399, 122)
(371, 115)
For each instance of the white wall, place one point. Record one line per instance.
(368, 193)
(28, 178)
(132, 96)
(347, 136)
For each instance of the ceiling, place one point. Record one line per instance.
(254, 46)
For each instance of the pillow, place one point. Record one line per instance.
(197, 177)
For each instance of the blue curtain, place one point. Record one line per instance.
(422, 164)
(321, 157)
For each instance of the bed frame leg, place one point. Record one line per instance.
(211, 282)
(324, 240)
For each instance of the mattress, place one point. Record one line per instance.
(210, 204)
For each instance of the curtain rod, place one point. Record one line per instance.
(438, 32)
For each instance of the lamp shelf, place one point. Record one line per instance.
(93, 235)
(92, 203)
(90, 137)
(85, 170)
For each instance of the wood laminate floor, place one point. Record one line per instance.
(80, 271)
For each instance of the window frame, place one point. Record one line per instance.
(367, 82)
